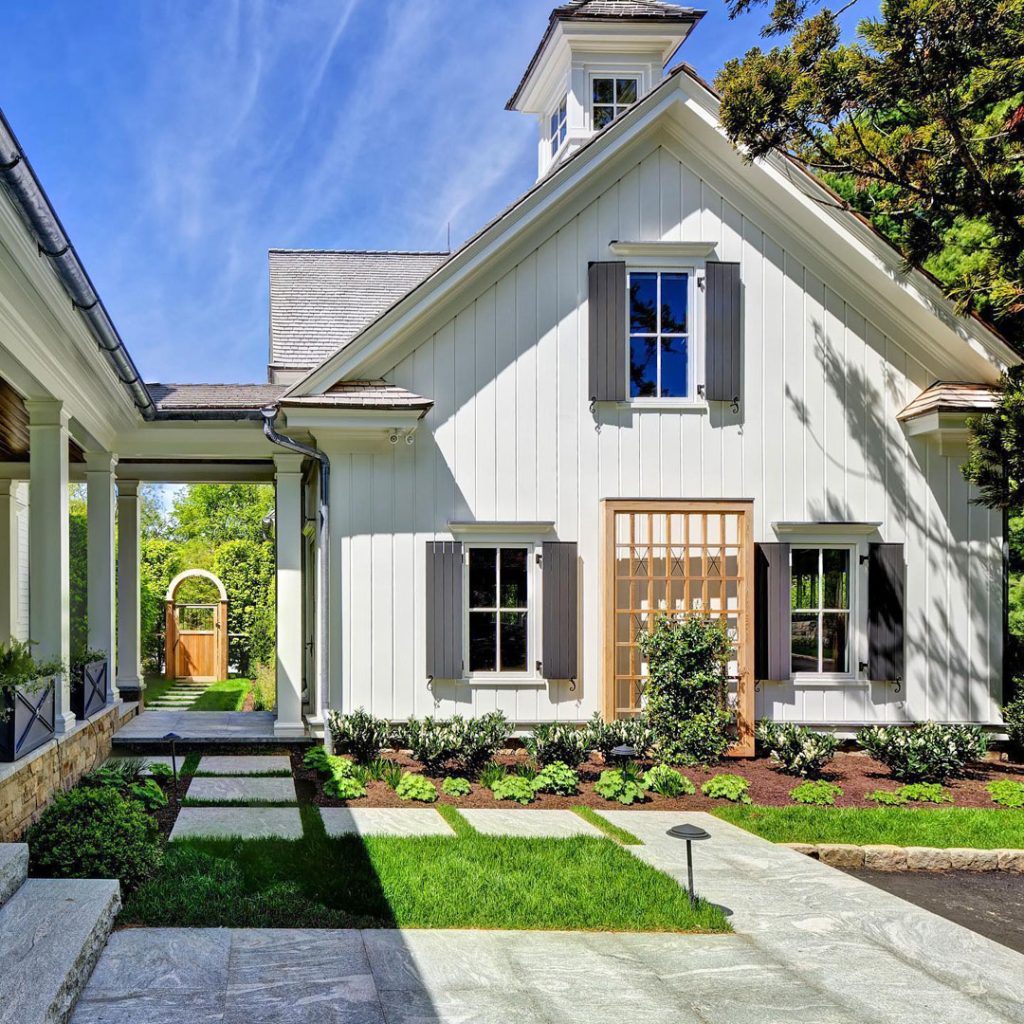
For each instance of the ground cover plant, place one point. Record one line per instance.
(795, 749)
(817, 792)
(514, 787)
(455, 786)
(556, 777)
(466, 881)
(727, 787)
(1007, 792)
(939, 827)
(924, 753)
(624, 785)
(416, 787)
(664, 779)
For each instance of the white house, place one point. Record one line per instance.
(664, 379)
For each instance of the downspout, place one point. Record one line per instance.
(52, 241)
(323, 554)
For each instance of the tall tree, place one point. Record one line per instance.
(217, 513)
(919, 125)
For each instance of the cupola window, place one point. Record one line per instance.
(610, 98)
(558, 126)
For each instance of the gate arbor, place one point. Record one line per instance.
(196, 639)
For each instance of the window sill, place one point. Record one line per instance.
(696, 405)
(504, 680)
(809, 679)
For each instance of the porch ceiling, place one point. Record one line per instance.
(14, 433)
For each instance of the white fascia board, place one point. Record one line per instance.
(667, 250)
(222, 471)
(357, 421)
(499, 246)
(841, 241)
(48, 339)
(169, 439)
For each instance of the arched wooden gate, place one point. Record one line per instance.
(196, 639)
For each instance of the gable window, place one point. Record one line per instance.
(558, 126)
(659, 334)
(820, 600)
(611, 97)
(498, 607)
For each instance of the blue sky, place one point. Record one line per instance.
(180, 140)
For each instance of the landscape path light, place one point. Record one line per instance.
(172, 738)
(692, 834)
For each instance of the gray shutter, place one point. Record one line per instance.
(559, 623)
(444, 609)
(607, 303)
(723, 345)
(772, 646)
(886, 581)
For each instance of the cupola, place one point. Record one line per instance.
(597, 58)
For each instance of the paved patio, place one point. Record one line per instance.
(812, 946)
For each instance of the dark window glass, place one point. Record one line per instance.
(834, 641)
(604, 90)
(513, 642)
(643, 367)
(603, 116)
(673, 367)
(482, 641)
(625, 91)
(805, 642)
(482, 578)
(673, 303)
(836, 578)
(805, 578)
(643, 303)
(554, 126)
(513, 577)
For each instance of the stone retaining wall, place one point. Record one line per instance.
(911, 858)
(27, 786)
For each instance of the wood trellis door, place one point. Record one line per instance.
(671, 558)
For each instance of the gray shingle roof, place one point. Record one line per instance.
(170, 397)
(606, 10)
(320, 300)
(364, 394)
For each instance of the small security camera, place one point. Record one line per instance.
(393, 437)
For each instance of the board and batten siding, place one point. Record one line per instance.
(511, 437)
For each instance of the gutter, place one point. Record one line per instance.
(39, 215)
(269, 414)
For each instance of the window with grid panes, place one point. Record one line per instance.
(610, 97)
(498, 597)
(820, 610)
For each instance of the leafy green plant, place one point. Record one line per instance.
(392, 774)
(467, 742)
(795, 749)
(525, 770)
(558, 741)
(159, 770)
(665, 780)
(887, 798)
(316, 758)
(492, 773)
(416, 787)
(20, 671)
(514, 787)
(556, 777)
(344, 787)
(621, 784)
(95, 832)
(359, 733)
(455, 786)
(924, 753)
(131, 769)
(924, 793)
(633, 732)
(727, 787)
(818, 792)
(1013, 718)
(377, 768)
(1007, 792)
(360, 773)
(687, 659)
(150, 794)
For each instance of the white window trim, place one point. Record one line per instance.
(561, 125)
(858, 549)
(534, 611)
(694, 399)
(635, 75)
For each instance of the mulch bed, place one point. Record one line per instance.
(857, 773)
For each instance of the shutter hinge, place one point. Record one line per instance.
(700, 281)
(701, 390)
(540, 559)
(538, 668)
(864, 558)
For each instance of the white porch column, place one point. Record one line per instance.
(8, 559)
(129, 661)
(288, 530)
(100, 508)
(50, 543)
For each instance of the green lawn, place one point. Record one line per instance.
(898, 826)
(467, 881)
(227, 695)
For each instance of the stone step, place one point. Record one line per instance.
(13, 869)
(52, 932)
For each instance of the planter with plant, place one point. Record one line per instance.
(90, 682)
(27, 699)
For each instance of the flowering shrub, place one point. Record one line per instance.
(924, 753)
(795, 749)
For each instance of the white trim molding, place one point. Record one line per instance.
(493, 529)
(663, 250)
(809, 530)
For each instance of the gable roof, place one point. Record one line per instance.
(606, 10)
(860, 240)
(321, 299)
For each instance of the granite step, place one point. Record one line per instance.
(13, 869)
(52, 932)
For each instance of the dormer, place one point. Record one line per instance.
(597, 58)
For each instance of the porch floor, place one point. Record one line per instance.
(199, 727)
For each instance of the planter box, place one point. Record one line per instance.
(29, 720)
(89, 692)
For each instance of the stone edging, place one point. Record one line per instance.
(911, 858)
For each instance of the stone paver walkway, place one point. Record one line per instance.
(180, 696)
(198, 726)
(244, 822)
(227, 789)
(384, 821)
(243, 764)
(533, 824)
